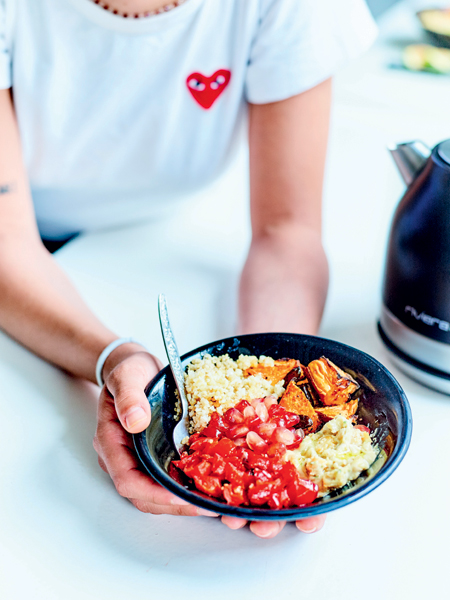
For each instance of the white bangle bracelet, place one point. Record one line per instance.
(106, 352)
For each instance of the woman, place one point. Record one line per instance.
(108, 111)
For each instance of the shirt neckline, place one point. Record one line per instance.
(153, 23)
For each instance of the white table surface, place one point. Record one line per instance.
(64, 531)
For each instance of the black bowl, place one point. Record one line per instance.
(383, 407)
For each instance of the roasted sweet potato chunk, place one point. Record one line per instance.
(333, 385)
(347, 410)
(276, 373)
(294, 400)
(309, 392)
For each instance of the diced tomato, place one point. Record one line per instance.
(362, 428)
(276, 449)
(233, 416)
(224, 447)
(242, 405)
(203, 468)
(278, 484)
(234, 474)
(249, 479)
(256, 461)
(211, 431)
(218, 465)
(242, 452)
(256, 443)
(235, 460)
(185, 459)
(276, 466)
(205, 445)
(259, 493)
(175, 473)
(262, 475)
(180, 463)
(274, 500)
(189, 466)
(234, 494)
(194, 437)
(288, 472)
(285, 499)
(238, 431)
(209, 485)
(302, 491)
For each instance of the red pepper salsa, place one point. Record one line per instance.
(238, 457)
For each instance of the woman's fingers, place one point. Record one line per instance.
(116, 453)
(267, 529)
(127, 383)
(234, 522)
(187, 510)
(102, 464)
(312, 524)
(262, 529)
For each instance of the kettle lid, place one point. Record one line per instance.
(443, 151)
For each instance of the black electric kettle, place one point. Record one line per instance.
(415, 315)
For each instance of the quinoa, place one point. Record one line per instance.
(217, 383)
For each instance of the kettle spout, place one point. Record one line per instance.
(410, 158)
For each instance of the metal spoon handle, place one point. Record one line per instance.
(172, 351)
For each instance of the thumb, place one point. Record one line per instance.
(126, 383)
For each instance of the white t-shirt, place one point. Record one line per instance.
(120, 118)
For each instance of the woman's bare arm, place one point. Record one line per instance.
(285, 279)
(39, 307)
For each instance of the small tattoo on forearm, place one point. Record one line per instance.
(7, 188)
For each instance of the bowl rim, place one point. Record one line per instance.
(286, 514)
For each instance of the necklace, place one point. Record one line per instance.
(141, 15)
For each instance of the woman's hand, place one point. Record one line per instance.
(124, 409)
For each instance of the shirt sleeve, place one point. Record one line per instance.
(5, 56)
(300, 43)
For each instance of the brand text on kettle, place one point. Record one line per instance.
(444, 325)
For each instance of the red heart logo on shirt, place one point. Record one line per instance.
(206, 90)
